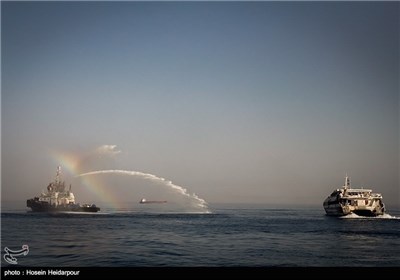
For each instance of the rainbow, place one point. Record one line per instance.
(199, 202)
(69, 164)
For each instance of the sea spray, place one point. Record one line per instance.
(200, 202)
(355, 216)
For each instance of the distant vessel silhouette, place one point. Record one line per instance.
(145, 201)
(57, 199)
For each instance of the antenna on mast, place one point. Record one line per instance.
(58, 175)
(347, 182)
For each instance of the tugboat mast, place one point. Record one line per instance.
(58, 175)
(346, 182)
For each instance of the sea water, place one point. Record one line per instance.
(231, 235)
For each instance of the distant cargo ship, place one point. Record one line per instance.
(145, 201)
(57, 199)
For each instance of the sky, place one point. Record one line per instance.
(260, 102)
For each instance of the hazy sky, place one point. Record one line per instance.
(265, 102)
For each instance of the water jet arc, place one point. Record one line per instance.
(199, 201)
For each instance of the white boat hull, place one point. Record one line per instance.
(361, 207)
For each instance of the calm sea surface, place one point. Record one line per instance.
(232, 235)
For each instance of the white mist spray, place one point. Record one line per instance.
(199, 201)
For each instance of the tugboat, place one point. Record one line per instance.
(362, 202)
(57, 199)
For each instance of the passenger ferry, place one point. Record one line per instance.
(346, 200)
